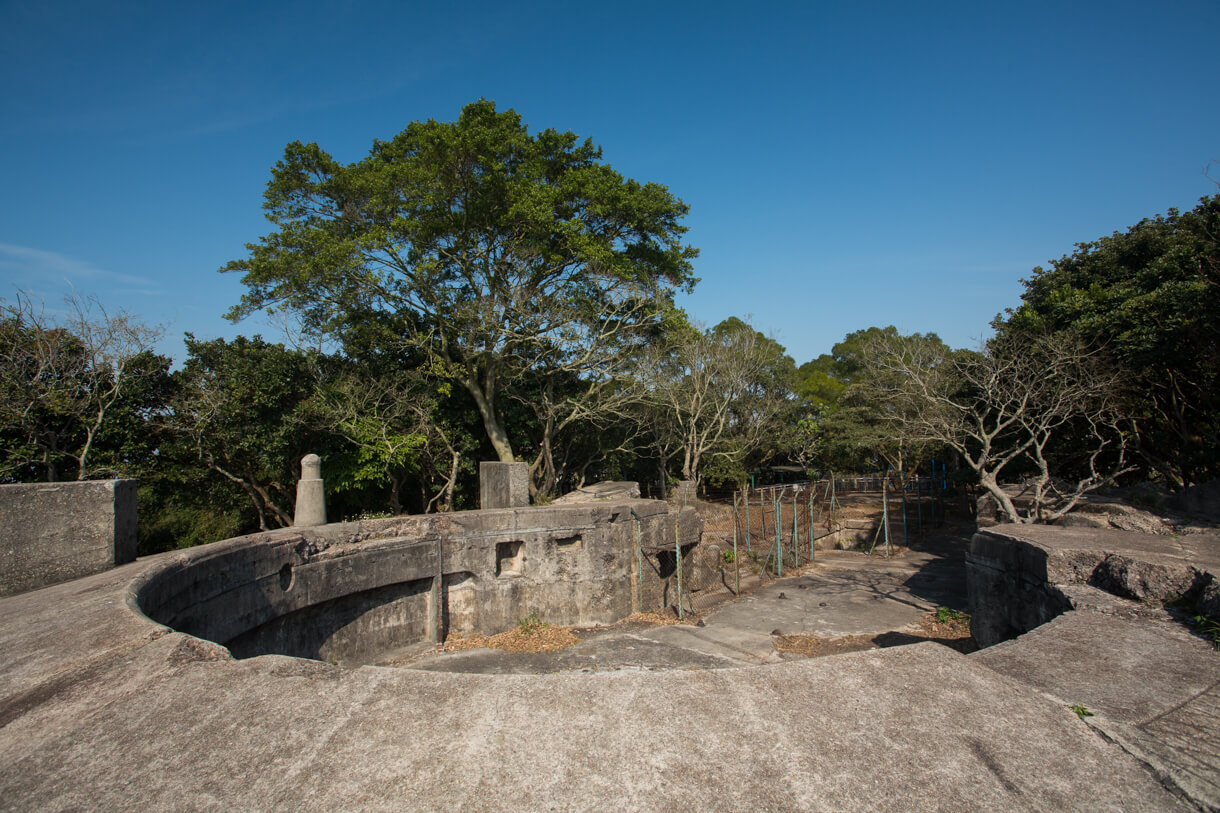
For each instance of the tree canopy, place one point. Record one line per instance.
(495, 252)
(716, 397)
(1150, 297)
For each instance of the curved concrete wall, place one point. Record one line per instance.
(350, 592)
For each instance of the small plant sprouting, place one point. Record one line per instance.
(728, 556)
(1081, 711)
(531, 624)
(1209, 628)
(946, 614)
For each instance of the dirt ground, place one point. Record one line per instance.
(542, 637)
(953, 632)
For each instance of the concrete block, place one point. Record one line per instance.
(56, 532)
(503, 485)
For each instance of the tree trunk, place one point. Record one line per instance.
(491, 422)
(1003, 500)
(395, 487)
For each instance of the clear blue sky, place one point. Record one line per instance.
(846, 164)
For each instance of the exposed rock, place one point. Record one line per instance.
(608, 490)
(987, 511)
(1209, 599)
(1141, 580)
(1098, 513)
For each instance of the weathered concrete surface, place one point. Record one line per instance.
(844, 593)
(1020, 575)
(1152, 686)
(101, 708)
(1151, 683)
(503, 485)
(311, 494)
(605, 490)
(55, 532)
(105, 710)
(347, 592)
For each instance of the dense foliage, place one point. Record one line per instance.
(520, 266)
(1150, 297)
(483, 293)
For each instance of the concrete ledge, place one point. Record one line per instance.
(347, 592)
(1086, 607)
(169, 723)
(1020, 576)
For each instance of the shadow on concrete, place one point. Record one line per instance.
(888, 639)
(941, 578)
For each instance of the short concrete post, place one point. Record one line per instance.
(503, 485)
(311, 497)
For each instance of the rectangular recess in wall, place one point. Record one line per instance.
(568, 544)
(509, 557)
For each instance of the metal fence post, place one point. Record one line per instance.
(779, 545)
(885, 513)
(747, 494)
(902, 479)
(812, 491)
(736, 557)
(796, 550)
(678, 564)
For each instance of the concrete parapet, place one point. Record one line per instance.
(102, 709)
(503, 485)
(607, 490)
(55, 532)
(350, 592)
(1093, 618)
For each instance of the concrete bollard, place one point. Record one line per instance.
(504, 485)
(311, 496)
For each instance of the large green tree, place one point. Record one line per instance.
(494, 251)
(844, 427)
(1150, 297)
(243, 410)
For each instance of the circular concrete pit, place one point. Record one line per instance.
(353, 593)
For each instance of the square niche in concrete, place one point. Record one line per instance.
(568, 544)
(509, 558)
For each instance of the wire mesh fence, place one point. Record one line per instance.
(752, 536)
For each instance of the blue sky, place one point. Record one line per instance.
(846, 164)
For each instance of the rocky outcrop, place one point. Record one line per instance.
(1022, 576)
(1144, 509)
(601, 492)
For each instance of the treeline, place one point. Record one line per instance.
(472, 291)
(1108, 371)
(216, 444)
